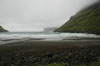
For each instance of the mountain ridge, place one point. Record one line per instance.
(85, 21)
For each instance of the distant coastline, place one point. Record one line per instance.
(2, 29)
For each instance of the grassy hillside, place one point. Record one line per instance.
(85, 21)
(2, 29)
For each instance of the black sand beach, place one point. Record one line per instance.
(36, 50)
(38, 45)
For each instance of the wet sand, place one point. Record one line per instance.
(34, 47)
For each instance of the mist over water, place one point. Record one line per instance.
(11, 37)
(35, 15)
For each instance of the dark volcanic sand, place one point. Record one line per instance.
(34, 47)
(40, 53)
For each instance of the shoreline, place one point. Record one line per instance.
(71, 39)
(38, 45)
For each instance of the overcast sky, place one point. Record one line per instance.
(31, 15)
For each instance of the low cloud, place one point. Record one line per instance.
(20, 15)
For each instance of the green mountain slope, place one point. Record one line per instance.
(85, 21)
(2, 29)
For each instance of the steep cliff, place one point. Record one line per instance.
(85, 21)
(2, 29)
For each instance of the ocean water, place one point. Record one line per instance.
(9, 37)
